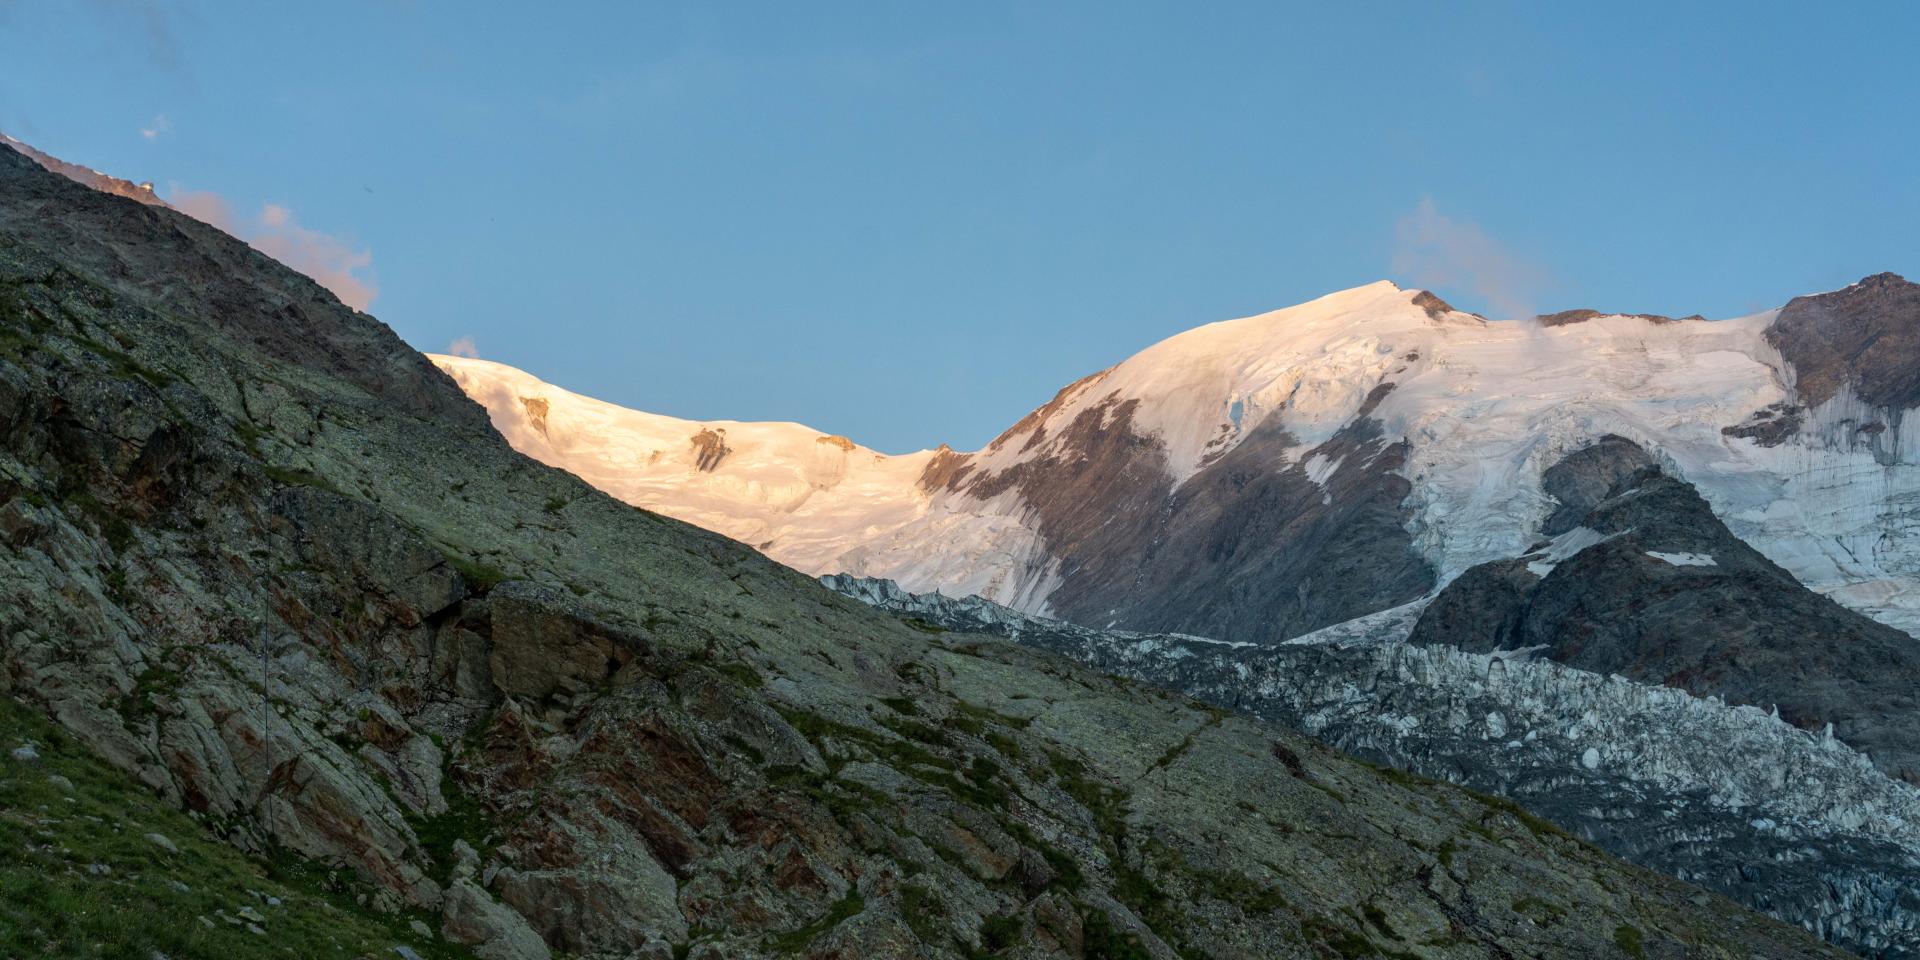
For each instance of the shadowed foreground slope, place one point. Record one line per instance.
(268, 561)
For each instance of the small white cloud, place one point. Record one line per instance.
(1438, 251)
(330, 261)
(158, 128)
(464, 347)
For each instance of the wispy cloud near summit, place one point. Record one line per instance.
(1436, 251)
(329, 260)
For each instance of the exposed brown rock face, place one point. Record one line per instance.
(1566, 317)
(835, 440)
(1249, 547)
(709, 448)
(537, 409)
(1866, 336)
(1570, 317)
(1033, 425)
(1434, 306)
(609, 732)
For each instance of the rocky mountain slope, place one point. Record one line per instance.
(272, 565)
(1789, 821)
(1234, 478)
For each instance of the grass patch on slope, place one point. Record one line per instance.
(80, 879)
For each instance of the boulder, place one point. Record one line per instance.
(470, 916)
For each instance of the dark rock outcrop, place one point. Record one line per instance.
(1485, 603)
(1239, 530)
(1769, 426)
(1586, 477)
(1666, 594)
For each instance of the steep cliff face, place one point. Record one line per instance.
(1788, 821)
(265, 560)
(1862, 339)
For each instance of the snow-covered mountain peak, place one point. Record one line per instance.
(1274, 465)
(1198, 393)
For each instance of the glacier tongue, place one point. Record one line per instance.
(1794, 823)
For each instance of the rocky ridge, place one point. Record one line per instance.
(140, 192)
(270, 563)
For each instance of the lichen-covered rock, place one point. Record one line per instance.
(470, 916)
(352, 539)
(546, 643)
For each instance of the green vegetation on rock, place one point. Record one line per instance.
(93, 865)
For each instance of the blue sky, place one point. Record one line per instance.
(911, 223)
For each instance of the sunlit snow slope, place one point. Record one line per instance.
(796, 492)
(1374, 428)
